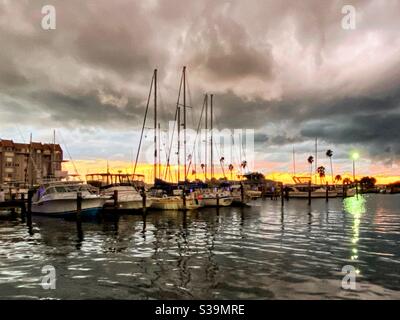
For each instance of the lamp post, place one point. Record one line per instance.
(355, 157)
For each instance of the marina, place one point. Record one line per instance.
(256, 252)
(199, 150)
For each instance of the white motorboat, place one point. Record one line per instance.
(175, 203)
(253, 194)
(350, 192)
(216, 198)
(161, 201)
(128, 197)
(60, 198)
(237, 196)
(302, 192)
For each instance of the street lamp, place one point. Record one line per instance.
(355, 157)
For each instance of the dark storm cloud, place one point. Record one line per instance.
(285, 68)
(379, 131)
(86, 108)
(222, 48)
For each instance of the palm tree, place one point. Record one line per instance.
(202, 166)
(329, 154)
(221, 161)
(338, 178)
(321, 172)
(231, 169)
(346, 181)
(310, 160)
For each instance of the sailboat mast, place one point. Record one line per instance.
(155, 125)
(30, 167)
(159, 150)
(316, 159)
(211, 138)
(294, 163)
(184, 120)
(53, 164)
(179, 143)
(205, 140)
(108, 173)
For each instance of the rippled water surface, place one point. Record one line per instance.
(259, 252)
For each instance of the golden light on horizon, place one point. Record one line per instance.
(115, 166)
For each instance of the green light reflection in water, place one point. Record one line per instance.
(356, 207)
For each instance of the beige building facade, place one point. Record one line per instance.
(29, 164)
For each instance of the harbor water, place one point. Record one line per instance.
(257, 252)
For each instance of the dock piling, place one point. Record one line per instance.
(286, 190)
(115, 197)
(29, 208)
(282, 198)
(23, 207)
(309, 193)
(79, 217)
(184, 199)
(144, 200)
(327, 193)
(78, 204)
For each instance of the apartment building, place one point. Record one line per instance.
(31, 163)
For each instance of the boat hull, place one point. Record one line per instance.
(175, 204)
(304, 195)
(221, 202)
(349, 193)
(129, 204)
(253, 194)
(66, 207)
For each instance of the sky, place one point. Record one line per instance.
(286, 69)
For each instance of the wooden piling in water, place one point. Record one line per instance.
(115, 197)
(78, 204)
(282, 198)
(327, 193)
(144, 200)
(217, 200)
(184, 199)
(29, 208)
(241, 192)
(23, 206)
(309, 193)
(79, 216)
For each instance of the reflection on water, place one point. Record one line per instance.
(260, 252)
(355, 206)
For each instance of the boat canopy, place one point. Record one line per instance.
(106, 179)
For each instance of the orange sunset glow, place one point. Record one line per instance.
(100, 166)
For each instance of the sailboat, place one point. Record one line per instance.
(213, 197)
(160, 199)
